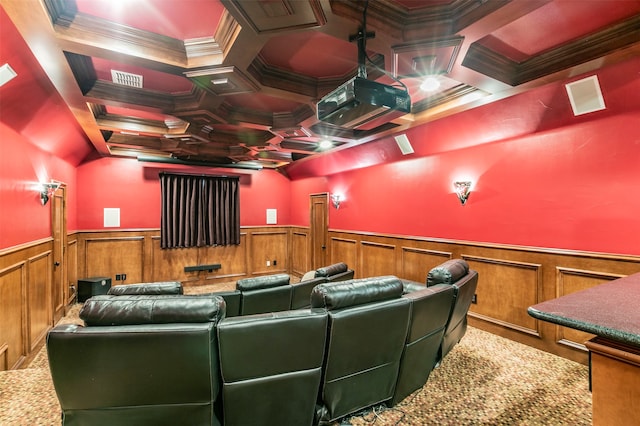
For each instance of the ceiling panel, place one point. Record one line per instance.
(238, 82)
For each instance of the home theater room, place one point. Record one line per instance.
(319, 212)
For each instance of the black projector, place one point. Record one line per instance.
(363, 104)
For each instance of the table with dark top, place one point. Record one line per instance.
(611, 311)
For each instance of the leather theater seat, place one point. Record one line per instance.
(271, 365)
(368, 322)
(140, 360)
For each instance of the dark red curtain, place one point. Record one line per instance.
(199, 211)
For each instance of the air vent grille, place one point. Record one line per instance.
(126, 79)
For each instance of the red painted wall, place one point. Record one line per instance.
(542, 177)
(572, 188)
(22, 216)
(134, 188)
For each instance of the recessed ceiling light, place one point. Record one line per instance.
(6, 73)
(430, 84)
(325, 144)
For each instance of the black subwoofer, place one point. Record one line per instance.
(89, 287)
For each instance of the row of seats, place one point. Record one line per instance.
(255, 295)
(178, 359)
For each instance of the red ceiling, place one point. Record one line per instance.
(153, 80)
(184, 19)
(279, 58)
(557, 22)
(330, 58)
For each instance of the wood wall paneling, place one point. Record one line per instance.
(345, 250)
(377, 259)
(506, 295)
(13, 292)
(72, 269)
(233, 260)
(569, 281)
(510, 278)
(300, 260)
(168, 264)
(415, 263)
(40, 293)
(267, 246)
(108, 256)
(4, 359)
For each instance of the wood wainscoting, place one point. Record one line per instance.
(26, 312)
(137, 256)
(511, 278)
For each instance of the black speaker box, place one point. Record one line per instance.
(89, 287)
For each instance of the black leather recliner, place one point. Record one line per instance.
(268, 293)
(455, 272)
(335, 272)
(301, 292)
(271, 365)
(430, 308)
(140, 360)
(368, 322)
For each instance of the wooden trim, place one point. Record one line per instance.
(615, 350)
(3, 355)
(557, 251)
(524, 274)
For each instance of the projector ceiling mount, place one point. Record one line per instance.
(360, 103)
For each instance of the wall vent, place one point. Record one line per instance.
(126, 79)
(585, 95)
(404, 144)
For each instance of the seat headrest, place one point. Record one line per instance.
(266, 281)
(336, 268)
(136, 309)
(342, 294)
(167, 287)
(448, 272)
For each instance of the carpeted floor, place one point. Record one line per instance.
(485, 380)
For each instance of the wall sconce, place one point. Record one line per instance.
(463, 189)
(336, 199)
(47, 190)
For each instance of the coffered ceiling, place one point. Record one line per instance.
(236, 82)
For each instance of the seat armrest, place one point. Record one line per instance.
(409, 286)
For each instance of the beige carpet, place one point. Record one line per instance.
(485, 380)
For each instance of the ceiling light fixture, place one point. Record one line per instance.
(429, 84)
(325, 144)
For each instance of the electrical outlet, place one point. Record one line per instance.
(268, 263)
(474, 299)
(275, 262)
(118, 277)
(124, 276)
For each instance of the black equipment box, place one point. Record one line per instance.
(89, 287)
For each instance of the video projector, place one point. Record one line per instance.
(363, 104)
